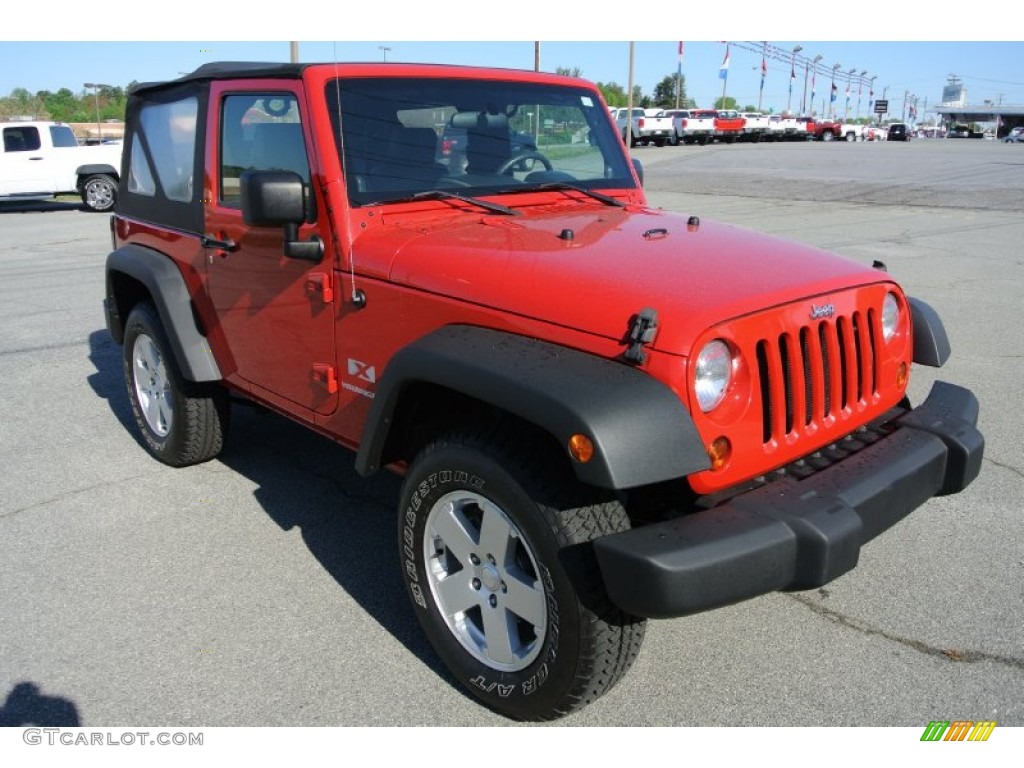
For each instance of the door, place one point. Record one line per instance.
(275, 312)
(24, 168)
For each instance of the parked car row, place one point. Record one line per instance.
(704, 126)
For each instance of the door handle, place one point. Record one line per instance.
(209, 241)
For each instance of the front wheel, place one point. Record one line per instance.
(99, 192)
(181, 422)
(495, 544)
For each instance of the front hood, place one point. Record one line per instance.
(592, 268)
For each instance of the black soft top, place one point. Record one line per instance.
(227, 70)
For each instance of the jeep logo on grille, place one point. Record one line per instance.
(823, 310)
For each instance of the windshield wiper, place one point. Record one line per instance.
(443, 194)
(565, 185)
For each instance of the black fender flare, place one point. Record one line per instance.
(94, 168)
(166, 285)
(641, 431)
(931, 345)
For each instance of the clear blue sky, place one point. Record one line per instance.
(69, 51)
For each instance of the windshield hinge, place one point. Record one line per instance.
(643, 327)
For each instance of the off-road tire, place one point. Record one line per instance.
(574, 644)
(180, 422)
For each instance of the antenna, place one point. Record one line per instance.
(358, 295)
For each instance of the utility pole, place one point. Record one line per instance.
(629, 101)
(96, 94)
(294, 52)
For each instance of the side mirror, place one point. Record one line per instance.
(638, 167)
(279, 199)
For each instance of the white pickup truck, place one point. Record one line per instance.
(777, 128)
(756, 127)
(648, 126)
(853, 132)
(41, 159)
(693, 125)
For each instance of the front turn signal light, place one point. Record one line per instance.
(719, 452)
(581, 448)
(901, 376)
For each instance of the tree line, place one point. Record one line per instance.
(65, 106)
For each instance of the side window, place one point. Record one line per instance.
(261, 132)
(170, 131)
(21, 139)
(62, 136)
(140, 175)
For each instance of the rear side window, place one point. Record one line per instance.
(170, 131)
(62, 136)
(22, 138)
(140, 175)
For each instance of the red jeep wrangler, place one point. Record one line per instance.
(603, 412)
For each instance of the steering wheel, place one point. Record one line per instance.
(451, 181)
(518, 162)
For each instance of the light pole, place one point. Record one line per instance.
(723, 72)
(96, 96)
(384, 50)
(860, 90)
(871, 96)
(807, 67)
(832, 93)
(792, 75)
(849, 84)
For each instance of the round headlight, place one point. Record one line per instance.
(890, 316)
(711, 377)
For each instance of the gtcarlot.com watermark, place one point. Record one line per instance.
(77, 737)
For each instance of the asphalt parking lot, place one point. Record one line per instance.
(262, 588)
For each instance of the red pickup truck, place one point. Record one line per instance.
(729, 125)
(824, 130)
(602, 412)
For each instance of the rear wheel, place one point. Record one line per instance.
(99, 192)
(495, 542)
(180, 422)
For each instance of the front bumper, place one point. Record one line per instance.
(796, 534)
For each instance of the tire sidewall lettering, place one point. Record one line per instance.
(479, 677)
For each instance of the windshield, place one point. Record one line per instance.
(403, 136)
